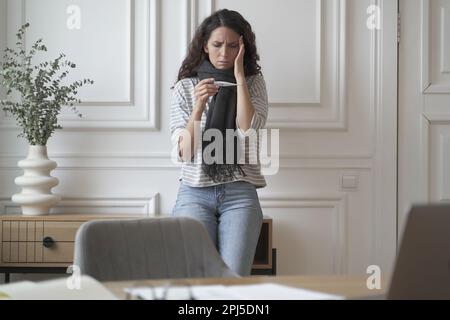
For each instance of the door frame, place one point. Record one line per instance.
(385, 44)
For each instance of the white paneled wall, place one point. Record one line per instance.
(331, 84)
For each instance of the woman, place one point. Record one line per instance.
(220, 191)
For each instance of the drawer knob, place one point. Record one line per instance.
(48, 242)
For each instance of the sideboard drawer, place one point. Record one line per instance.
(23, 241)
(35, 252)
(60, 252)
(61, 230)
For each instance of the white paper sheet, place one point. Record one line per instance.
(89, 289)
(266, 291)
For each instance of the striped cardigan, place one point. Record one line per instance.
(182, 104)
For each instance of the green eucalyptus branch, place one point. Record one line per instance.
(39, 86)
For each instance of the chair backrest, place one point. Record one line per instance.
(147, 248)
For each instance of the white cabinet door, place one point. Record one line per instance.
(424, 104)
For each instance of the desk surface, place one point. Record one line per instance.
(348, 286)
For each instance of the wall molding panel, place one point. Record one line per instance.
(429, 86)
(337, 202)
(327, 111)
(132, 205)
(141, 110)
(142, 161)
(432, 157)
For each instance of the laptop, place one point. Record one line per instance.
(422, 266)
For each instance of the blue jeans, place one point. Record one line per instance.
(231, 214)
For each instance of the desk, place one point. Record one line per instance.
(348, 286)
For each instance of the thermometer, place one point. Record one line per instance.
(224, 84)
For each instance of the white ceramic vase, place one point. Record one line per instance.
(36, 182)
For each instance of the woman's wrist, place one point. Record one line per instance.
(241, 82)
(198, 110)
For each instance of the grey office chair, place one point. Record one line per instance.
(148, 248)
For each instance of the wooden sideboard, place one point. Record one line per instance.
(45, 244)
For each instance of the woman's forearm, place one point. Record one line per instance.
(245, 108)
(187, 146)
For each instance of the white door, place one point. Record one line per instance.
(424, 104)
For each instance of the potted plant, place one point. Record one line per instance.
(35, 94)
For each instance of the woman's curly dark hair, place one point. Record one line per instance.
(222, 18)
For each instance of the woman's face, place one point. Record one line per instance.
(222, 47)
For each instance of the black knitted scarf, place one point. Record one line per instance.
(221, 116)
